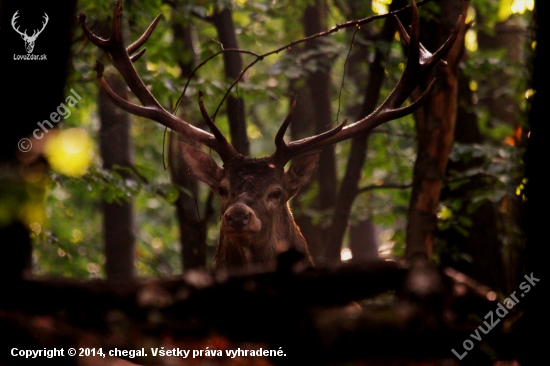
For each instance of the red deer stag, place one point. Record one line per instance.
(256, 222)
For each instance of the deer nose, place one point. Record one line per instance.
(237, 217)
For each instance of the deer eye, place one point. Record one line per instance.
(222, 191)
(275, 195)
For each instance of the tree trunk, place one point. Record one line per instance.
(435, 123)
(363, 241)
(482, 243)
(233, 64)
(358, 153)
(192, 228)
(118, 217)
(301, 128)
(319, 88)
(313, 115)
(533, 347)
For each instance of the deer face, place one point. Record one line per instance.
(256, 223)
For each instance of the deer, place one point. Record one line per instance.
(256, 222)
(29, 40)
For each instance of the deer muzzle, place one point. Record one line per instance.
(240, 218)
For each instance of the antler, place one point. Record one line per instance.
(13, 19)
(420, 63)
(119, 56)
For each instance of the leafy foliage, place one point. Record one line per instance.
(70, 240)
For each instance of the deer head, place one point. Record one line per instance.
(256, 222)
(29, 40)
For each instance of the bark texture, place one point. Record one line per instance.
(118, 217)
(233, 64)
(313, 116)
(435, 123)
(192, 227)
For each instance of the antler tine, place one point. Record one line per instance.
(99, 42)
(116, 27)
(137, 56)
(427, 59)
(227, 151)
(279, 138)
(410, 77)
(144, 37)
(285, 152)
(160, 116)
(151, 109)
(420, 63)
(424, 53)
(445, 47)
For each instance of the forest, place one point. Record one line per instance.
(272, 182)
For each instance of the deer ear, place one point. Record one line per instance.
(202, 166)
(300, 172)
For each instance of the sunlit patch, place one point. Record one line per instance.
(77, 236)
(35, 227)
(69, 152)
(445, 213)
(386, 249)
(509, 7)
(471, 15)
(471, 40)
(156, 243)
(521, 6)
(92, 268)
(380, 6)
(345, 254)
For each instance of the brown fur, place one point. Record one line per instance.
(263, 189)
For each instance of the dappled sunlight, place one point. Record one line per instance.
(346, 254)
(471, 40)
(521, 6)
(69, 152)
(509, 7)
(380, 6)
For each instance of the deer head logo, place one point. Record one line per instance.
(29, 40)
